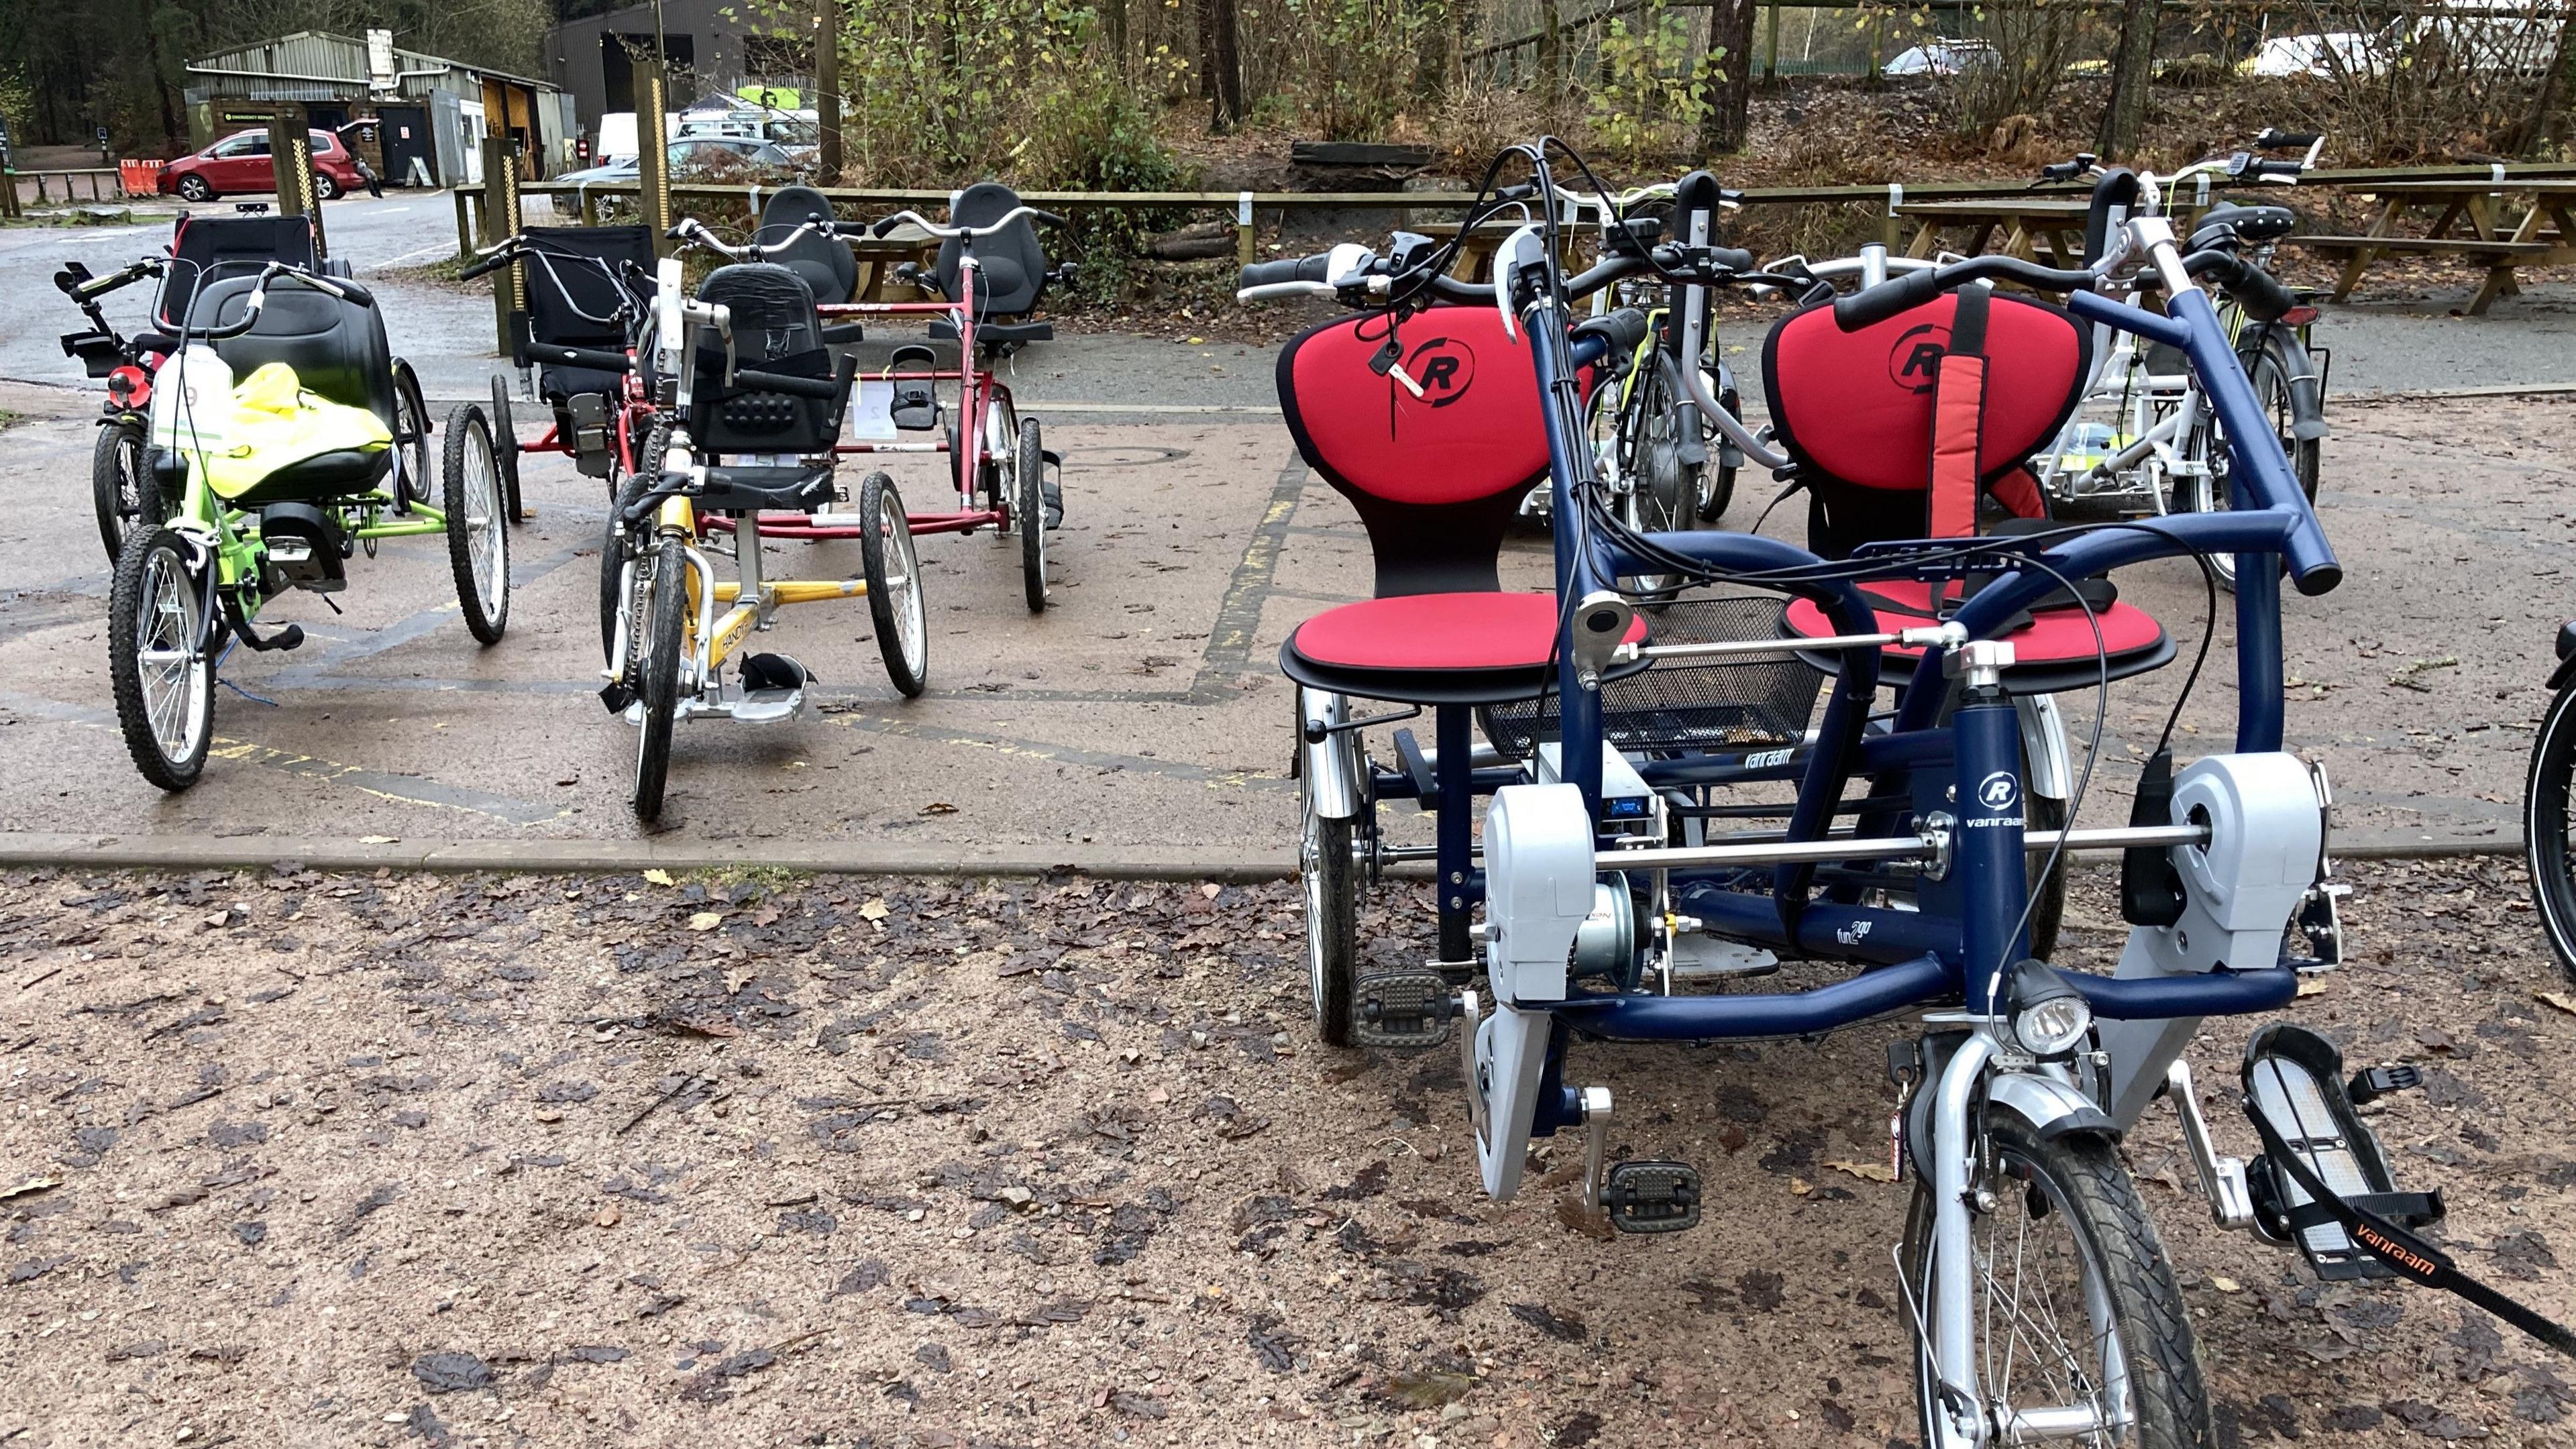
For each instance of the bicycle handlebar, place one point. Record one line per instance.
(493, 260)
(86, 289)
(599, 358)
(967, 233)
(1873, 305)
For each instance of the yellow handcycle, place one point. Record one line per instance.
(753, 402)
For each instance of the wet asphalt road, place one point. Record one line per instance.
(1144, 707)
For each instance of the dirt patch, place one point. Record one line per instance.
(373, 1160)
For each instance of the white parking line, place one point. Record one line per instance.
(427, 251)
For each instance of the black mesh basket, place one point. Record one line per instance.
(1688, 704)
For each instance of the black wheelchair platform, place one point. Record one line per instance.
(2294, 1079)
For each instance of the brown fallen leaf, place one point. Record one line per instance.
(33, 1184)
(874, 910)
(609, 1216)
(938, 807)
(1866, 1171)
(706, 920)
(1571, 1212)
(2557, 999)
(658, 876)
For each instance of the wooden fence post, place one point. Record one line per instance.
(500, 220)
(290, 160)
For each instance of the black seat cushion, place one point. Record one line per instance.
(342, 473)
(753, 488)
(337, 348)
(1013, 265)
(993, 334)
(556, 383)
(825, 262)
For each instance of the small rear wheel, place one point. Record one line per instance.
(126, 500)
(478, 538)
(411, 438)
(1331, 880)
(893, 574)
(505, 448)
(163, 678)
(2549, 806)
(1028, 515)
(664, 608)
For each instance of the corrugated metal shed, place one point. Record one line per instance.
(314, 65)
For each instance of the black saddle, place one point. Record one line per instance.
(1012, 267)
(993, 334)
(2255, 224)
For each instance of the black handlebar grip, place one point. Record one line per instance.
(2276, 139)
(1874, 305)
(817, 387)
(679, 232)
(1732, 259)
(1288, 269)
(491, 263)
(1622, 331)
(884, 225)
(2278, 168)
(2060, 171)
(1046, 216)
(2259, 292)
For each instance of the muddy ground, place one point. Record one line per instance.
(292, 1159)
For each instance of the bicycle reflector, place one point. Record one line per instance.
(2049, 1017)
(2299, 316)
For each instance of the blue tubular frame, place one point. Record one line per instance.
(1927, 955)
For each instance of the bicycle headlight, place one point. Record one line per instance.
(2049, 1016)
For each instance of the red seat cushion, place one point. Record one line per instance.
(2053, 636)
(1437, 632)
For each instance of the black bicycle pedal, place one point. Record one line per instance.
(2294, 1083)
(1402, 1009)
(616, 696)
(1652, 1197)
(2372, 1083)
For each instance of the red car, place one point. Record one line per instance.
(239, 163)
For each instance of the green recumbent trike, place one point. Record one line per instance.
(241, 532)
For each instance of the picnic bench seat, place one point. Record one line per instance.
(2500, 258)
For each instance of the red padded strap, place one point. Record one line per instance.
(2018, 491)
(1958, 419)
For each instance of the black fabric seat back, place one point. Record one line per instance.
(205, 249)
(1012, 265)
(775, 329)
(337, 348)
(563, 283)
(825, 262)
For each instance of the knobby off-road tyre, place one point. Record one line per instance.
(2092, 1222)
(505, 448)
(126, 501)
(665, 637)
(893, 574)
(478, 531)
(165, 699)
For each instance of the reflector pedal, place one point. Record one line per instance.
(1652, 1197)
(1402, 1009)
(2294, 1079)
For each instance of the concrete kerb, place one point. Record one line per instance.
(24, 851)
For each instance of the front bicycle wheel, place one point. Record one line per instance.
(125, 500)
(665, 610)
(2549, 817)
(157, 660)
(893, 574)
(2080, 1330)
(478, 538)
(411, 438)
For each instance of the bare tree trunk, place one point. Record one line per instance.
(1551, 55)
(1728, 73)
(1225, 65)
(827, 82)
(2133, 64)
(2548, 119)
(1118, 36)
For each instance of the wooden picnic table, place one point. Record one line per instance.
(879, 256)
(2029, 224)
(2542, 234)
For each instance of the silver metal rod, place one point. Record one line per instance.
(1768, 646)
(1898, 847)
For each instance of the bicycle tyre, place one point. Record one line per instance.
(612, 546)
(892, 569)
(1028, 514)
(2080, 1177)
(664, 635)
(157, 587)
(1330, 879)
(2268, 368)
(2546, 825)
(505, 447)
(411, 438)
(2048, 908)
(470, 480)
(126, 501)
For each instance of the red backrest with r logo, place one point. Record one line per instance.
(1475, 431)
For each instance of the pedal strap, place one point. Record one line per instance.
(2409, 1256)
(1958, 418)
(2414, 1209)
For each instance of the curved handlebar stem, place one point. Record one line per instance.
(1695, 387)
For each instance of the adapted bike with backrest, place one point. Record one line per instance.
(2039, 1300)
(273, 491)
(756, 404)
